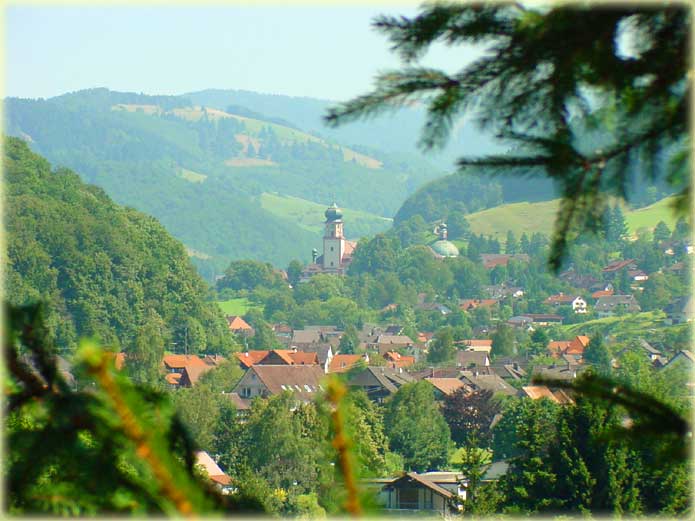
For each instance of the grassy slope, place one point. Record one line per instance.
(539, 217)
(309, 215)
(236, 306)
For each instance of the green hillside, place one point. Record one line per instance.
(103, 270)
(649, 216)
(310, 216)
(540, 216)
(202, 171)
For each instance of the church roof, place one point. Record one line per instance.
(445, 248)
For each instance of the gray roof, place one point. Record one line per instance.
(488, 382)
(306, 336)
(471, 358)
(609, 302)
(389, 378)
(394, 339)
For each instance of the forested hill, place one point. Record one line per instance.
(204, 172)
(396, 132)
(103, 270)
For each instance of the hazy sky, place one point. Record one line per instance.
(324, 52)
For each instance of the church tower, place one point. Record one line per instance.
(333, 239)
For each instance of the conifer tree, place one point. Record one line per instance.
(580, 112)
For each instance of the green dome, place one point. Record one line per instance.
(445, 249)
(333, 213)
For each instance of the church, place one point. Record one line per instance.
(337, 251)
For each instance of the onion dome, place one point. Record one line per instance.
(445, 249)
(333, 213)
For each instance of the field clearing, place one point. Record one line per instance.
(237, 306)
(540, 217)
(249, 161)
(190, 175)
(310, 215)
(517, 217)
(360, 159)
(649, 216)
(632, 325)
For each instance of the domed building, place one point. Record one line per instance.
(443, 247)
(337, 251)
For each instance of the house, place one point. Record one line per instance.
(536, 392)
(172, 380)
(521, 322)
(412, 492)
(249, 358)
(610, 305)
(239, 326)
(436, 372)
(683, 358)
(324, 354)
(680, 310)
(469, 304)
(192, 373)
(342, 363)
(177, 363)
(476, 344)
(468, 359)
(544, 319)
(304, 338)
(395, 359)
(221, 480)
(385, 343)
(283, 333)
(616, 266)
(487, 382)
(565, 371)
(289, 357)
(379, 382)
(577, 302)
(602, 293)
(242, 405)
(653, 353)
(501, 291)
(445, 386)
(508, 370)
(574, 347)
(492, 260)
(303, 381)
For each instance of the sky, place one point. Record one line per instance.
(326, 52)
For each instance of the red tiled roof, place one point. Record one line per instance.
(250, 358)
(302, 358)
(477, 342)
(466, 304)
(617, 265)
(577, 345)
(536, 392)
(181, 361)
(396, 359)
(341, 363)
(602, 293)
(559, 299)
(557, 347)
(446, 385)
(173, 378)
(236, 323)
(192, 373)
